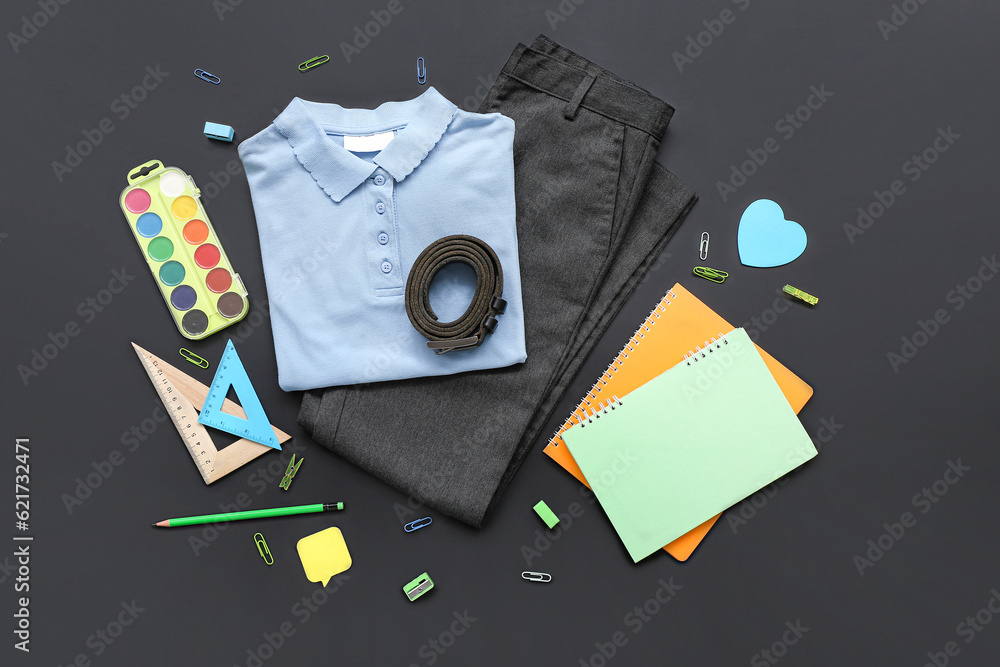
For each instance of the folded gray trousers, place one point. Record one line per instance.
(594, 210)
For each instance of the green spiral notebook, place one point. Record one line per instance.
(689, 444)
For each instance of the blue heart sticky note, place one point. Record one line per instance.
(766, 239)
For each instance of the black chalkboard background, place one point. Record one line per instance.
(881, 551)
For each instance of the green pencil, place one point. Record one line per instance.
(249, 514)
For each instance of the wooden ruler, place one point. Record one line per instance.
(183, 397)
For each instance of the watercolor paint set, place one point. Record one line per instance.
(164, 211)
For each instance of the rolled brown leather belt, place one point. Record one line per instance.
(479, 319)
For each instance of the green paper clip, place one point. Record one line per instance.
(418, 586)
(547, 515)
(290, 471)
(313, 62)
(262, 549)
(193, 358)
(708, 273)
(799, 294)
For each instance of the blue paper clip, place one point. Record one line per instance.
(207, 76)
(418, 524)
(421, 72)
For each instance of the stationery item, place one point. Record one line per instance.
(197, 281)
(680, 322)
(207, 76)
(480, 318)
(255, 426)
(421, 72)
(182, 396)
(689, 444)
(547, 515)
(219, 131)
(290, 471)
(703, 246)
(262, 549)
(250, 514)
(542, 577)
(418, 587)
(418, 524)
(766, 239)
(313, 62)
(799, 294)
(708, 273)
(194, 358)
(324, 555)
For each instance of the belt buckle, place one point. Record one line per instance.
(442, 346)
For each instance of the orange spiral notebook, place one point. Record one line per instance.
(678, 325)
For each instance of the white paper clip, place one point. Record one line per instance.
(537, 576)
(703, 247)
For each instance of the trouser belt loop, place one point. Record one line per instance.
(574, 104)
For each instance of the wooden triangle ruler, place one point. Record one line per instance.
(182, 397)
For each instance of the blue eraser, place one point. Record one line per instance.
(220, 132)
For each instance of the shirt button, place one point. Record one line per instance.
(380, 208)
(383, 238)
(379, 179)
(386, 267)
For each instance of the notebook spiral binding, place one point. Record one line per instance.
(707, 348)
(602, 409)
(592, 397)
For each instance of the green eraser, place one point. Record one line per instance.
(340, 506)
(548, 516)
(418, 586)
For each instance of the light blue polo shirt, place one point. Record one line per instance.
(340, 227)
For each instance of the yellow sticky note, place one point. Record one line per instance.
(324, 554)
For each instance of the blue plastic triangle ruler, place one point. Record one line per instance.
(231, 373)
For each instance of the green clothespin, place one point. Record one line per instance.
(799, 294)
(290, 471)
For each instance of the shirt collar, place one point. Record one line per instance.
(420, 123)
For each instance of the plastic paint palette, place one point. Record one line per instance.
(198, 283)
